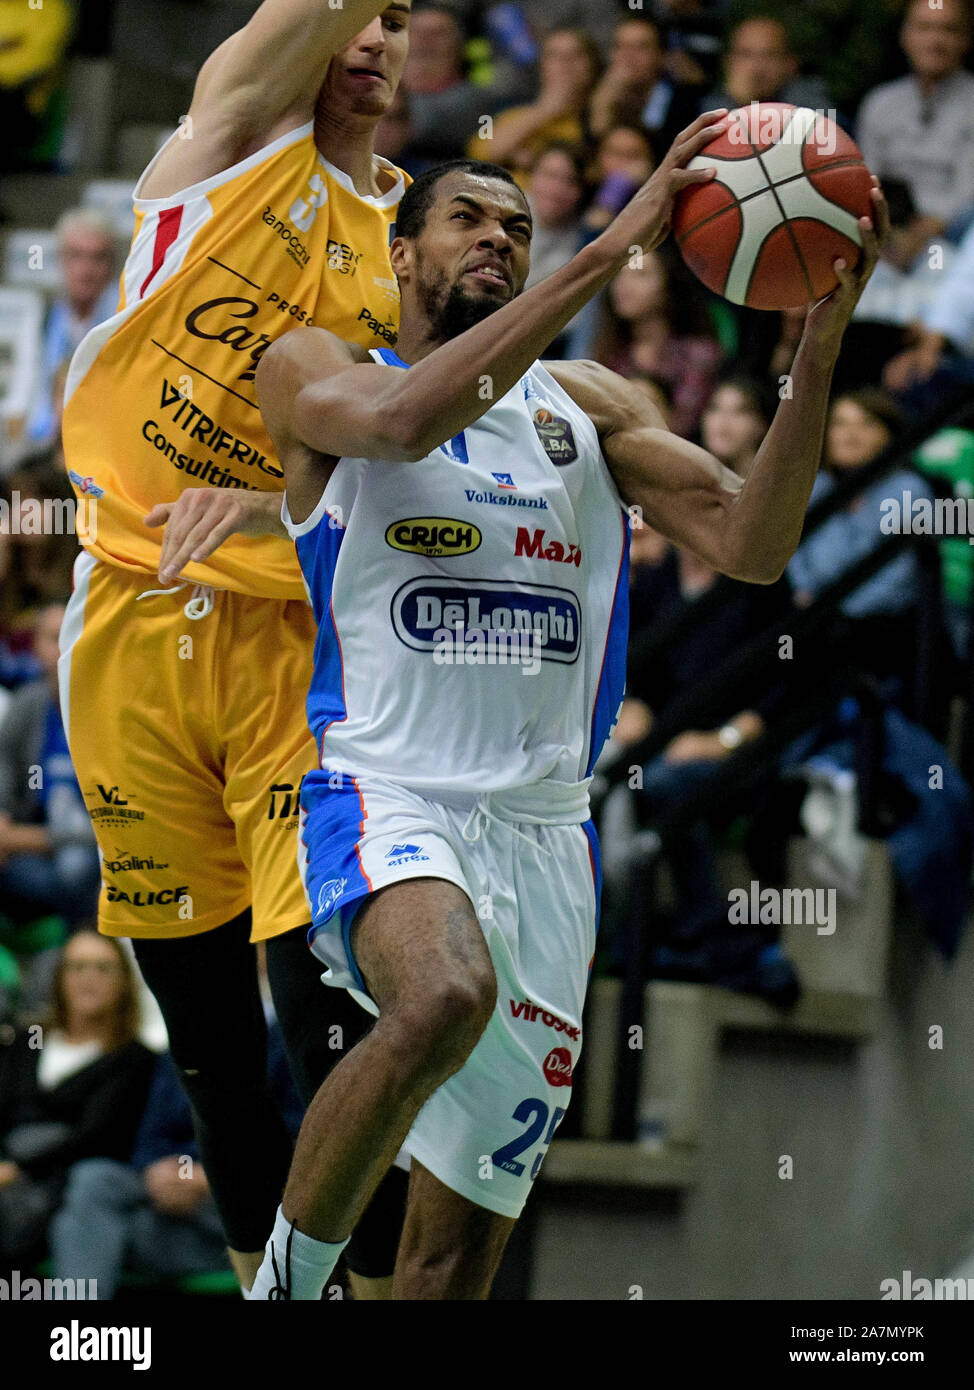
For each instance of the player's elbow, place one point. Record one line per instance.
(752, 567)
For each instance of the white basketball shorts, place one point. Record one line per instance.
(535, 889)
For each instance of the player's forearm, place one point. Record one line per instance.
(459, 382)
(262, 515)
(765, 525)
(281, 55)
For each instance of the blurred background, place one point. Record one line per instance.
(763, 1109)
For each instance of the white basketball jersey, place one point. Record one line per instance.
(472, 607)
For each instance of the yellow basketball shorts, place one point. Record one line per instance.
(185, 716)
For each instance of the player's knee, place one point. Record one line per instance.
(447, 1022)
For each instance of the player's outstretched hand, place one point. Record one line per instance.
(645, 221)
(202, 518)
(828, 318)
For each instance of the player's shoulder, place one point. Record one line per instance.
(306, 351)
(298, 358)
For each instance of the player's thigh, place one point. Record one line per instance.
(443, 1226)
(420, 938)
(269, 749)
(136, 716)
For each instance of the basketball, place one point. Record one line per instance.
(784, 205)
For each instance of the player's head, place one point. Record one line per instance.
(363, 76)
(463, 245)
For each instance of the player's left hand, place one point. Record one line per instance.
(202, 518)
(828, 318)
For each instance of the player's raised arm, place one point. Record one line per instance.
(747, 528)
(261, 82)
(479, 227)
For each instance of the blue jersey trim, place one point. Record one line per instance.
(391, 359)
(318, 552)
(596, 852)
(612, 679)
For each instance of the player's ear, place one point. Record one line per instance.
(400, 256)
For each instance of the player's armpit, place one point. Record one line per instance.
(681, 490)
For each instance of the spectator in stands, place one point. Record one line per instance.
(513, 24)
(878, 616)
(33, 44)
(653, 328)
(79, 1095)
(761, 65)
(17, 661)
(556, 193)
(570, 66)
(622, 164)
(851, 46)
(696, 942)
(154, 1215)
(948, 457)
(86, 250)
(444, 106)
(41, 547)
(940, 356)
(692, 32)
(48, 857)
(735, 420)
(394, 137)
(635, 90)
(919, 130)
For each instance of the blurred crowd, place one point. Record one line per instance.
(580, 99)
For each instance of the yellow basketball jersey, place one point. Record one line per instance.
(161, 397)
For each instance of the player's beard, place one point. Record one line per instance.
(450, 309)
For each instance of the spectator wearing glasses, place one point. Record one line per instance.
(80, 1095)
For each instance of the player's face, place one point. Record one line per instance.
(854, 436)
(473, 255)
(364, 75)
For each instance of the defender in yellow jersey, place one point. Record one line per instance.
(187, 644)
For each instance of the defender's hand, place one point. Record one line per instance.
(645, 221)
(202, 518)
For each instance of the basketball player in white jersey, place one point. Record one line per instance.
(460, 514)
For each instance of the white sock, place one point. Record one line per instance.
(303, 1264)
